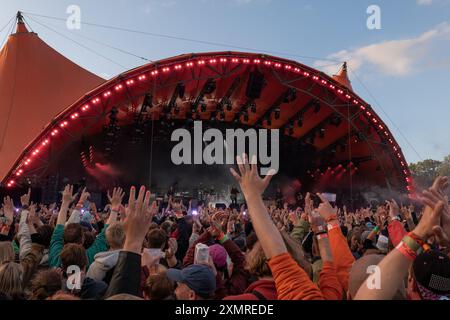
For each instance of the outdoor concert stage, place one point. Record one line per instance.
(119, 133)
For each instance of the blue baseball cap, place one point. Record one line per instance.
(198, 277)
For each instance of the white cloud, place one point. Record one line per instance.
(424, 2)
(394, 57)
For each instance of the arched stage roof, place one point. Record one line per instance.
(36, 82)
(256, 90)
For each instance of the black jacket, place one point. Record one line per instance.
(127, 275)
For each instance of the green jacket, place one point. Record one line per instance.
(300, 230)
(57, 243)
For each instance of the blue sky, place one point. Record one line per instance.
(405, 65)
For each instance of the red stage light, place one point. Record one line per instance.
(223, 59)
(288, 67)
(277, 65)
(340, 91)
(257, 61)
(306, 74)
(167, 69)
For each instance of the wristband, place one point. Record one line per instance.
(376, 229)
(321, 229)
(332, 225)
(222, 238)
(406, 252)
(331, 218)
(416, 238)
(321, 235)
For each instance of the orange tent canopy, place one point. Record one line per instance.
(36, 83)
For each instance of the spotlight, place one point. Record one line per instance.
(322, 133)
(316, 106)
(147, 103)
(336, 120)
(209, 87)
(255, 85)
(180, 89)
(291, 95)
(277, 113)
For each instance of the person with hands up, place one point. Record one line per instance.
(394, 267)
(72, 232)
(291, 280)
(127, 273)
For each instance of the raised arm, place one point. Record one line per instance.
(75, 216)
(291, 280)
(116, 201)
(394, 267)
(127, 273)
(67, 198)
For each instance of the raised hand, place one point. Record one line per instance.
(393, 208)
(25, 199)
(431, 217)
(116, 198)
(325, 209)
(138, 219)
(8, 208)
(67, 194)
(432, 198)
(216, 226)
(251, 184)
(84, 196)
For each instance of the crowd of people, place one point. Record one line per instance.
(142, 249)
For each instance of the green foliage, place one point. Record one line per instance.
(424, 172)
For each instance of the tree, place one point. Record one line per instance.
(424, 172)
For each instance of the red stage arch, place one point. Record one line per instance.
(332, 117)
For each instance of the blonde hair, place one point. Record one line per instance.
(11, 279)
(115, 235)
(6, 251)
